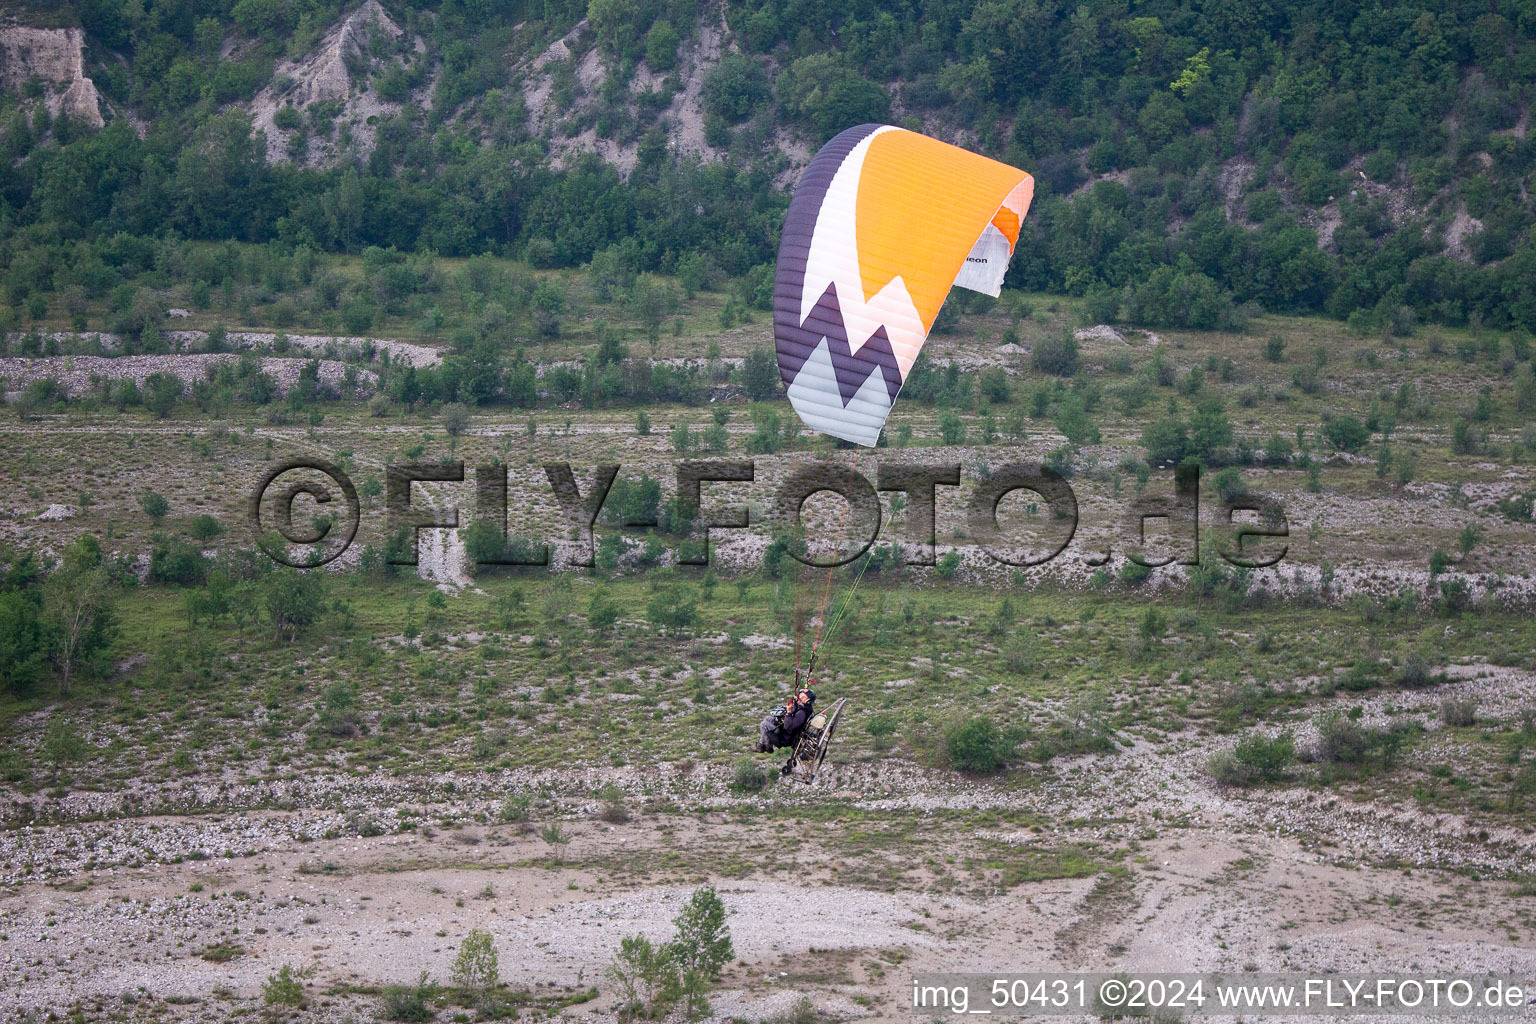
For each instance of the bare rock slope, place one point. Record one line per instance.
(325, 76)
(54, 56)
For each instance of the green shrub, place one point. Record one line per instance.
(975, 745)
(1224, 767)
(475, 969)
(735, 88)
(880, 729)
(1230, 484)
(1019, 654)
(1166, 440)
(824, 94)
(1346, 433)
(1134, 574)
(283, 989)
(802, 1011)
(614, 809)
(702, 946)
(1342, 739)
(408, 1002)
(154, 505)
(672, 609)
(1057, 355)
(1417, 670)
(647, 978)
(749, 777)
(1152, 626)
(1266, 757)
(1458, 712)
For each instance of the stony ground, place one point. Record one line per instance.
(839, 892)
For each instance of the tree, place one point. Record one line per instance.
(974, 745)
(154, 505)
(294, 600)
(475, 970)
(1057, 355)
(702, 946)
(1166, 440)
(703, 941)
(456, 418)
(1346, 433)
(602, 612)
(205, 527)
(951, 428)
(80, 617)
(283, 988)
(647, 976)
(760, 375)
(661, 46)
(23, 642)
(161, 392)
(735, 88)
(825, 95)
(548, 304)
(1074, 421)
(671, 610)
(650, 301)
(1209, 430)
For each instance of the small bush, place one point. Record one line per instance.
(555, 835)
(1019, 655)
(802, 1012)
(222, 953)
(408, 1002)
(515, 807)
(1057, 355)
(1340, 739)
(283, 989)
(1346, 434)
(1266, 758)
(647, 977)
(880, 729)
(1417, 670)
(614, 810)
(1458, 713)
(975, 745)
(1343, 740)
(1224, 767)
(749, 777)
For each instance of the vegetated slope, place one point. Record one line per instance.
(1367, 162)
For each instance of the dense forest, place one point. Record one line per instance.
(1197, 162)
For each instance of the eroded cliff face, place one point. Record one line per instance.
(56, 58)
(323, 77)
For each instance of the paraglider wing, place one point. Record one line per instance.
(883, 222)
